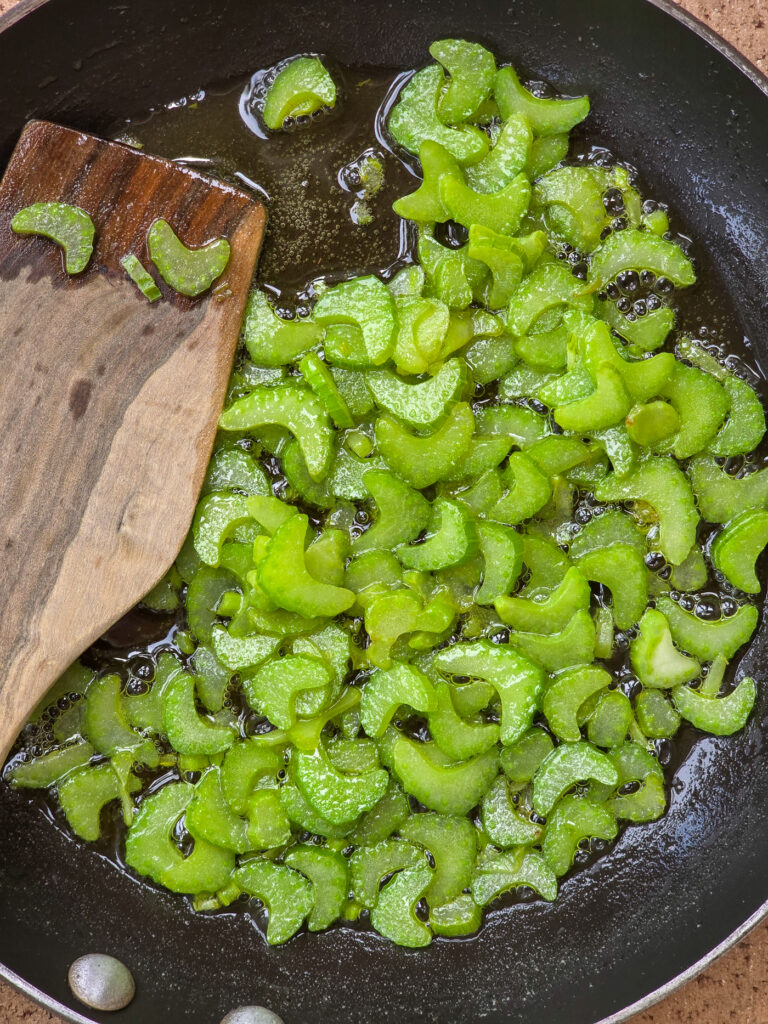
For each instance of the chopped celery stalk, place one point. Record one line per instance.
(651, 423)
(141, 277)
(327, 871)
(567, 693)
(370, 864)
(654, 656)
(271, 340)
(458, 737)
(275, 687)
(338, 797)
(472, 69)
(461, 916)
(387, 689)
(574, 819)
(69, 226)
(503, 823)
(85, 792)
(720, 716)
(722, 497)
(423, 460)
(319, 378)
(520, 761)
(359, 320)
(508, 157)
(451, 539)
(656, 716)
(421, 405)
(188, 271)
(424, 205)
(707, 639)
(402, 512)
(639, 250)
(564, 767)
(499, 871)
(439, 783)
(502, 551)
(547, 614)
(545, 116)
(574, 645)
(51, 767)
(610, 721)
(298, 90)
(394, 915)
(288, 895)
(737, 548)
(452, 844)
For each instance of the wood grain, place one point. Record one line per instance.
(108, 403)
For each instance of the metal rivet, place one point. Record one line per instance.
(252, 1015)
(101, 982)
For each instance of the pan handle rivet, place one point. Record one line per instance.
(101, 982)
(252, 1015)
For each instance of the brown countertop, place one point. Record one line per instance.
(735, 989)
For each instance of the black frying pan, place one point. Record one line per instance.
(669, 97)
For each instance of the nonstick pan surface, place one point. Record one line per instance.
(696, 121)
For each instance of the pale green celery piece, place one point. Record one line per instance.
(141, 277)
(507, 158)
(501, 870)
(67, 225)
(394, 915)
(564, 767)
(299, 89)
(575, 818)
(546, 116)
(188, 271)
(287, 893)
(471, 68)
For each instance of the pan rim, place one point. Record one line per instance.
(759, 79)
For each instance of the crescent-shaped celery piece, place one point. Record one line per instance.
(298, 90)
(705, 639)
(653, 422)
(654, 657)
(528, 490)
(394, 915)
(387, 689)
(573, 198)
(502, 551)
(68, 226)
(644, 333)
(423, 460)
(245, 764)
(283, 575)
(635, 764)
(567, 693)
(424, 205)
(84, 793)
(545, 116)
(304, 816)
(360, 322)
(232, 469)
(241, 652)
(217, 516)
(547, 151)
(520, 761)
(421, 405)
(502, 822)
(736, 549)
(702, 405)
(151, 851)
(722, 497)
(327, 870)
(337, 797)
(612, 527)
(422, 326)
(574, 645)
(209, 816)
(383, 819)
(633, 249)
(546, 563)
(611, 719)
(745, 426)
(507, 158)
(439, 783)
(657, 717)
(414, 118)
(643, 378)
(456, 737)
(498, 871)
(188, 271)
(451, 539)
(452, 843)
(455, 278)
(402, 513)
(523, 426)
(564, 767)
(287, 894)
(517, 680)
(368, 865)
(499, 253)
(189, 732)
(721, 716)
(500, 211)
(272, 341)
(622, 569)
(275, 686)
(291, 406)
(484, 453)
(607, 405)
(660, 483)
(547, 614)
(472, 69)
(107, 725)
(549, 287)
(461, 916)
(574, 819)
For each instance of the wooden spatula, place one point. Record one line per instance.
(108, 403)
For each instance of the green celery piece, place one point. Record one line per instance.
(502, 822)
(141, 277)
(610, 721)
(283, 575)
(547, 151)
(574, 645)
(745, 427)
(633, 249)
(484, 453)
(517, 680)
(550, 287)
(453, 276)
(461, 916)
(574, 819)
(439, 783)
(528, 491)
(209, 816)
(619, 448)
(545, 116)
(355, 755)
(608, 404)
(645, 333)
(556, 454)
(288, 895)
(633, 764)
(520, 761)
(239, 653)
(245, 765)
(604, 632)
(268, 823)
(276, 685)
(368, 865)
(68, 226)
(546, 563)
(721, 716)
(573, 198)
(452, 842)
(85, 793)
(660, 483)
(387, 617)
(422, 461)
(272, 341)
(652, 423)
(469, 698)
(394, 915)
(326, 555)
(701, 403)
(722, 497)
(188, 271)
(498, 871)
(383, 819)
(472, 69)
(387, 689)
(656, 716)
(360, 322)
(655, 659)
(299, 89)
(414, 118)
(502, 551)
(622, 569)
(422, 405)
(189, 732)
(612, 527)
(564, 767)
(422, 325)
(451, 539)
(319, 378)
(217, 516)
(737, 548)
(145, 711)
(304, 817)
(373, 568)
(499, 253)
(150, 850)
(547, 614)
(107, 725)
(402, 513)
(327, 871)
(408, 281)
(524, 426)
(424, 205)
(484, 493)
(643, 378)
(704, 639)
(291, 406)
(51, 767)
(507, 158)
(338, 797)
(567, 693)
(456, 737)
(502, 211)
(232, 469)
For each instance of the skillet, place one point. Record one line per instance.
(669, 97)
